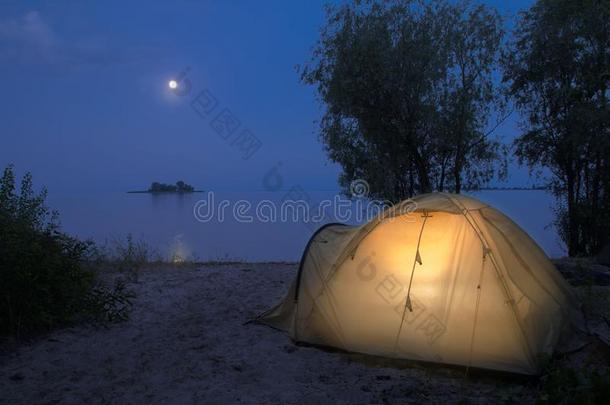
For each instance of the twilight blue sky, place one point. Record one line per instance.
(85, 103)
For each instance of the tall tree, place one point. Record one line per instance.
(472, 96)
(557, 72)
(408, 91)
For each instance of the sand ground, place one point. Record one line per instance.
(186, 342)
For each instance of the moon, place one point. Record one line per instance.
(172, 84)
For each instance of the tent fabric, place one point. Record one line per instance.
(440, 278)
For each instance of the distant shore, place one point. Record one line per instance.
(508, 189)
(164, 192)
(465, 190)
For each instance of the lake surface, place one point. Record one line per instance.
(168, 222)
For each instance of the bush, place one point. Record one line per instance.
(104, 305)
(129, 256)
(44, 277)
(124, 257)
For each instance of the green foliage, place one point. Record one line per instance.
(408, 92)
(557, 71)
(44, 279)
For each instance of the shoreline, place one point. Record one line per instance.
(164, 192)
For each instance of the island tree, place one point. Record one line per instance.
(179, 187)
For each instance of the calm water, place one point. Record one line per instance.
(167, 223)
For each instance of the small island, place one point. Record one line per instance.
(179, 187)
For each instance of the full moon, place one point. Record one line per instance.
(173, 84)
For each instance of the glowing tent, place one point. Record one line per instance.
(441, 278)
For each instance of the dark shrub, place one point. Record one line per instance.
(44, 279)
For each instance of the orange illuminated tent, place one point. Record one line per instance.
(441, 278)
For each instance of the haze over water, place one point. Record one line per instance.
(167, 223)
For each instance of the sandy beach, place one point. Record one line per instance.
(186, 342)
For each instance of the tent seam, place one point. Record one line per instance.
(522, 262)
(483, 239)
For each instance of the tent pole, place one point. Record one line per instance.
(408, 299)
(476, 310)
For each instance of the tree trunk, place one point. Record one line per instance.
(572, 220)
(411, 182)
(441, 183)
(457, 170)
(422, 173)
